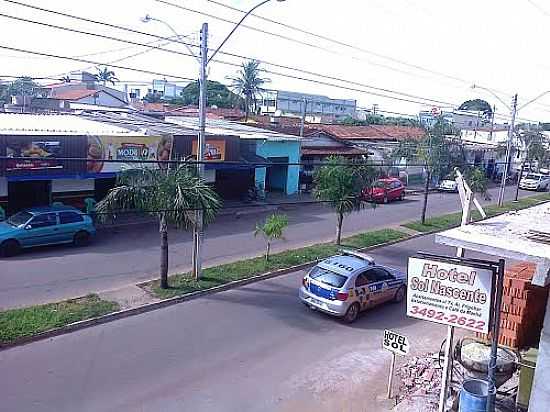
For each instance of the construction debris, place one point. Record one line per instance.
(420, 381)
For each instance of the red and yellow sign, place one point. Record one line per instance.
(215, 150)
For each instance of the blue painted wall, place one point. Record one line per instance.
(290, 149)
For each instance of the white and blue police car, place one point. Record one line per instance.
(349, 283)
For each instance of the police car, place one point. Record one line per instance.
(349, 283)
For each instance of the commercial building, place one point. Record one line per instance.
(280, 152)
(317, 108)
(460, 119)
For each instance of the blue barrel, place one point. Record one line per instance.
(474, 394)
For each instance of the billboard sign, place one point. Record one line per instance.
(215, 150)
(450, 293)
(127, 148)
(33, 154)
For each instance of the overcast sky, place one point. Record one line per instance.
(446, 45)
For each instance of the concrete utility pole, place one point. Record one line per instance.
(201, 146)
(508, 151)
(304, 111)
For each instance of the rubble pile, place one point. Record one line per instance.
(420, 377)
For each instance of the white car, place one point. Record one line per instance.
(448, 185)
(535, 181)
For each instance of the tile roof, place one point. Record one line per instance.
(326, 151)
(73, 94)
(371, 132)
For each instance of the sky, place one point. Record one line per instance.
(430, 49)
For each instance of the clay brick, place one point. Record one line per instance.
(507, 300)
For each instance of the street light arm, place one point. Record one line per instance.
(475, 86)
(534, 99)
(148, 18)
(236, 27)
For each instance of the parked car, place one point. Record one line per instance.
(448, 185)
(45, 226)
(385, 190)
(535, 181)
(347, 284)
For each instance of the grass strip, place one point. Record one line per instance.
(182, 284)
(453, 219)
(18, 323)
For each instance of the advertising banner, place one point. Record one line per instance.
(134, 148)
(215, 150)
(451, 294)
(39, 154)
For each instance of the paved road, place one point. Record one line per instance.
(251, 349)
(131, 255)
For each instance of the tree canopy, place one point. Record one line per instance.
(218, 95)
(477, 105)
(381, 120)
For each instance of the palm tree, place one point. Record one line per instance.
(172, 195)
(105, 75)
(272, 229)
(66, 79)
(248, 83)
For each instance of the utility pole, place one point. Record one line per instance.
(201, 146)
(508, 151)
(304, 111)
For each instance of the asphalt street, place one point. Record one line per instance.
(130, 255)
(255, 348)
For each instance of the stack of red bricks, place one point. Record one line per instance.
(523, 308)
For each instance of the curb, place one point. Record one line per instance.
(111, 317)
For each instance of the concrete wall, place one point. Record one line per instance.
(290, 149)
(540, 395)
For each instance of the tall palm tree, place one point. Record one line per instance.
(172, 195)
(248, 83)
(105, 75)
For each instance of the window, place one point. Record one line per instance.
(45, 220)
(19, 218)
(70, 217)
(361, 280)
(381, 274)
(327, 277)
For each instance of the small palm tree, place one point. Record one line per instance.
(66, 79)
(105, 75)
(172, 195)
(272, 229)
(340, 183)
(248, 83)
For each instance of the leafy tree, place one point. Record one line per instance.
(477, 105)
(218, 95)
(153, 97)
(477, 180)
(272, 229)
(249, 84)
(106, 76)
(171, 195)
(536, 147)
(23, 86)
(381, 120)
(340, 183)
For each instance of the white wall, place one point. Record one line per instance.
(71, 185)
(3, 187)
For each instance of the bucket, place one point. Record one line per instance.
(473, 396)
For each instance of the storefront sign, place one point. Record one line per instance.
(38, 154)
(395, 343)
(131, 148)
(215, 150)
(450, 294)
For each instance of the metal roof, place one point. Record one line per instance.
(522, 235)
(224, 127)
(55, 124)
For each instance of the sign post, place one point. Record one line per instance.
(397, 345)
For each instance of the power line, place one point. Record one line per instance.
(92, 62)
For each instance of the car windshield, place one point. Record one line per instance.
(19, 218)
(327, 277)
(533, 176)
(379, 184)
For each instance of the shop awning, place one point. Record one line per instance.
(522, 235)
(247, 161)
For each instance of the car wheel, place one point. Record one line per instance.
(399, 295)
(9, 248)
(402, 196)
(81, 238)
(351, 314)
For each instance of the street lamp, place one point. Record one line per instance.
(204, 61)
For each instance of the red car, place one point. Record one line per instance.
(385, 190)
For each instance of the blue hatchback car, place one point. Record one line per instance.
(45, 226)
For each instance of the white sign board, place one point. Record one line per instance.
(395, 343)
(449, 293)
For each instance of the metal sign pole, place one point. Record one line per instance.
(494, 344)
(392, 370)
